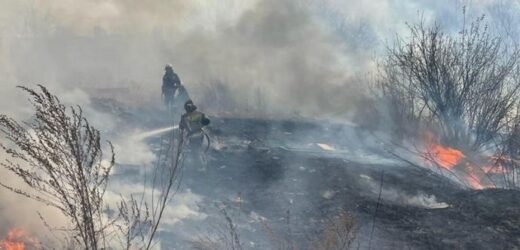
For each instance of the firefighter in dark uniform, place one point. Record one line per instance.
(171, 83)
(191, 125)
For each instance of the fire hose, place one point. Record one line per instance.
(205, 134)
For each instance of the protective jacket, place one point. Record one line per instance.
(171, 82)
(193, 122)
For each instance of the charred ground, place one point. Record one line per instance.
(262, 168)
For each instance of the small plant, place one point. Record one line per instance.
(335, 233)
(224, 236)
(339, 233)
(59, 156)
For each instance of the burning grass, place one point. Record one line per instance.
(19, 239)
(465, 88)
(476, 171)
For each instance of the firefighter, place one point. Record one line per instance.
(193, 121)
(171, 83)
(191, 125)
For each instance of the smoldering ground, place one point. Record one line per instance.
(308, 57)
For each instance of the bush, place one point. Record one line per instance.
(462, 87)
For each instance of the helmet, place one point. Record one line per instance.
(168, 66)
(189, 106)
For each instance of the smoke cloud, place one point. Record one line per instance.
(277, 49)
(308, 57)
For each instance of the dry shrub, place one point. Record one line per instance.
(222, 236)
(461, 88)
(336, 233)
(339, 233)
(464, 87)
(59, 157)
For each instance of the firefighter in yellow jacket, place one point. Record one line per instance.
(191, 124)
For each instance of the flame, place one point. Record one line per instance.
(13, 240)
(440, 155)
(457, 163)
(446, 157)
(495, 169)
(18, 239)
(475, 177)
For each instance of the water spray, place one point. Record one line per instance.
(145, 135)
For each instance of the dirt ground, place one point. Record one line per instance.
(261, 170)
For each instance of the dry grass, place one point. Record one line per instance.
(60, 158)
(336, 233)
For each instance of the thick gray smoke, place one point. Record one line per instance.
(307, 57)
(279, 53)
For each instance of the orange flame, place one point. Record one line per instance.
(446, 157)
(18, 239)
(456, 162)
(13, 240)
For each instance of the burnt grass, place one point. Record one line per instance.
(248, 160)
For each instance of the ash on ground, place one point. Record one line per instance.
(262, 170)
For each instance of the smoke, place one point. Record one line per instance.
(277, 48)
(393, 195)
(21, 212)
(307, 57)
